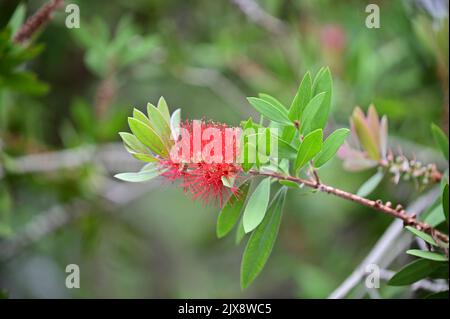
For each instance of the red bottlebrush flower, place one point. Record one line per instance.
(206, 153)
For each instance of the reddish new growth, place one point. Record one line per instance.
(201, 158)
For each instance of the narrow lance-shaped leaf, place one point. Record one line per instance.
(257, 205)
(302, 98)
(164, 109)
(323, 83)
(131, 141)
(158, 123)
(422, 235)
(311, 145)
(427, 255)
(230, 213)
(331, 146)
(413, 272)
(148, 172)
(262, 240)
(272, 112)
(370, 185)
(440, 139)
(271, 100)
(308, 122)
(146, 135)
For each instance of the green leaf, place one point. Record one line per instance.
(323, 83)
(427, 255)
(311, 145)
(288, 183)
(438, 295)
(301, 98)
(440, 139)
(240, 232)
(414, 271)
(262, 240)
(146, 135)
(271, 100)
(257, 205)
(230, 213)
(164, 109)
(148, 172)
(158, 123)
(445, 201)
(17, 19)
(132, 142)
(422, 235)
(138, 115)
(272, 112)
(308, 122)
(286, 150)
(331, 146)
(370, 185)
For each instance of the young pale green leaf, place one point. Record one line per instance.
(301, 98)
(427, 255)
(308, 122)
(272, 112)
(413, 272)
(445, 201)
(158, 123)
(422, 235)
(370, 185)
(331, 146)
(144, 157)
(138, 115)
(132, 142)
(323, 83)
(257, 205)
(271, 100)
(228, 181)
(311, 145)
(148, 172)
(365, 135)
(164, 109)
(175, 121)
(440, 139)
(230, 213)
(262, 240)
(147, 136)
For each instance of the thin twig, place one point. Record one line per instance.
(393, 241)
(378, 205)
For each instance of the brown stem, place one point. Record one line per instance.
(378, 205)
(37, 20)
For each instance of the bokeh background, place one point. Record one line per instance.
(60, 148)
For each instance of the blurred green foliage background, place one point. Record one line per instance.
(205, 57)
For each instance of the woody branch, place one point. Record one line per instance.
(378, 205)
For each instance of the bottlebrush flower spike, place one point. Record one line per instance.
(201, 155)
